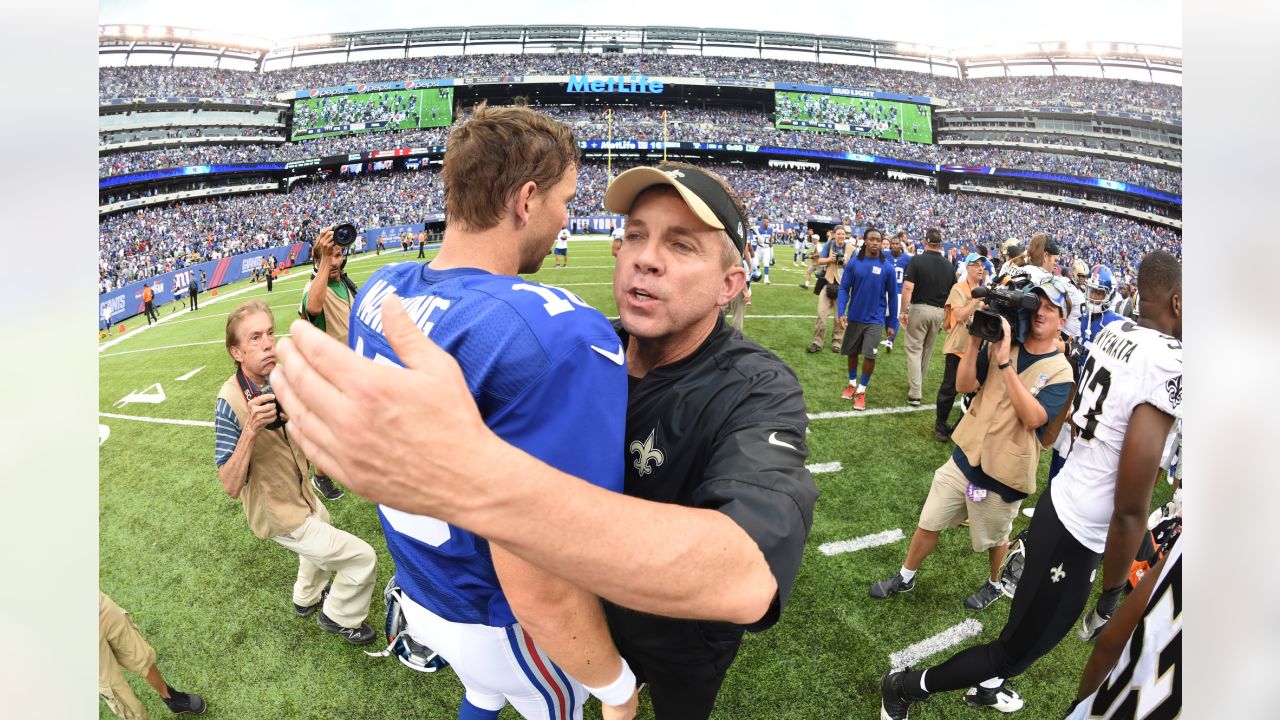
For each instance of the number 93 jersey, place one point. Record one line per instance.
(547, 374)
(1128, 365)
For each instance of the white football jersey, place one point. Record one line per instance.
(1128, 365)
(1147, 679)
(1072, 325)
(562, 240)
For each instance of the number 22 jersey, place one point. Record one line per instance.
(1128, 366)
(547, 373)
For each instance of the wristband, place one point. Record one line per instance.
(1004, 364)
(619, 691)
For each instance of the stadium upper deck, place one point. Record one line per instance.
(953, 75)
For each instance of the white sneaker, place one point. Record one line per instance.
(767, 281)
(1002, 698)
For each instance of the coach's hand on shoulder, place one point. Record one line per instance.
(341, 406)
(625, 711)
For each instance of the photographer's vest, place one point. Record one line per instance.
(990, 434)
(833, 270)
(277, 497)
(336, 311)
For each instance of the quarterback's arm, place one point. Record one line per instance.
(1139, 466)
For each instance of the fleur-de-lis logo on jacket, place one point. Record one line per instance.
(644, 453)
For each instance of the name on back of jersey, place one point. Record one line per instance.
(425, 310)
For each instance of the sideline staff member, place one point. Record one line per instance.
(326, 303)
(718, 502)
(260, 464)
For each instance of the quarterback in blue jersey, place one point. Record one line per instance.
(495, 618)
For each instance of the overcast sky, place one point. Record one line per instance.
(952, 24)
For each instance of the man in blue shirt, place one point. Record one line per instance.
(900, 258)
(497, 619)
(867, 291)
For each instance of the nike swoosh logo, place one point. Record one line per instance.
(773, 440)
(616, 357)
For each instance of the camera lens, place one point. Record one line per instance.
(344, 234)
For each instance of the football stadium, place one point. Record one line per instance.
(223, 159)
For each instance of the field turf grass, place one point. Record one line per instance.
(215, 602)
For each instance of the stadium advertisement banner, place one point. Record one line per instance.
(125, 302)
(492, 79)
(854, 93)
(372, 87)
(594, 224)
(361, 112)
(869, 117)
(614, 84)
(741, 82)
(115, 180)
(1103, 183)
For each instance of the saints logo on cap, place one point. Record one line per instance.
(675, 173)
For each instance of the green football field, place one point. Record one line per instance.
(215, 602)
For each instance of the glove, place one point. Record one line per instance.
(1101, 613)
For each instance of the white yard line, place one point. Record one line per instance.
(912, 655)
(819, 468)
(163, 421)
(171, 347)
(862, 543)
(191, 374)
(874, 411)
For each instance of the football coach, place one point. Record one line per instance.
(707, 538)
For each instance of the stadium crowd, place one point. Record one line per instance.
(138, 244)
(1061, 91)
(691, 125)
(142, 243)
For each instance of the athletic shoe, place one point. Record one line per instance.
(325, 487)
(860, 401)
(1029, 512)
(362, 635)
(848, 393)
(805, 284)
(815, 347)
(180, 703)
(1091, 625)
(941, 436)
(895, 697)
(892, 586)
(835, 349)
(913, 402)
(307, 610)
(1002, 698)
(982, 597)
(767, 281)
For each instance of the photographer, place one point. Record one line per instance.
(260, 465)
(326, 303)
(959, 309)
(831, 266)
(998, 442)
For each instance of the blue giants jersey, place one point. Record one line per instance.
(546, 371)
(900, 268)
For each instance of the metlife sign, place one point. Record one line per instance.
(614, 84)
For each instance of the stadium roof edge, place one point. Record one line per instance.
(129, 38)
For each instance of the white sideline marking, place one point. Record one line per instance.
(819, 468)
(104, 432)
(163, 421)
(146, 396)
(862, 543)
(875, 411)
(171, 347)
(191, 374)
(913, 654)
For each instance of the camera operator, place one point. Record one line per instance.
(260, 465)
(998, 442)
(831, 266)
(326, 303)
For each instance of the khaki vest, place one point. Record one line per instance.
(958, 336)
(337, 315)
(278, 497)
(991, 436)
(833, 271)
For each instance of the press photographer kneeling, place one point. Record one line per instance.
(1023, 382)
(260, 465)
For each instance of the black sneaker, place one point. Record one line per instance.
(362, 635)
(913, 402)
(895, 698)
(892, 586)
(307, 610)
(1002, 698)
(180, 703)
(325, 487)
(983, 596)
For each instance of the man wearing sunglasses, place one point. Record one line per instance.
(998, 442)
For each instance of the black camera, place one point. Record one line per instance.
(1014, 303)
(279, 421)
(344, 234)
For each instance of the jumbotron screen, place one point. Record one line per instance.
(372, 112)
(885, 119)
